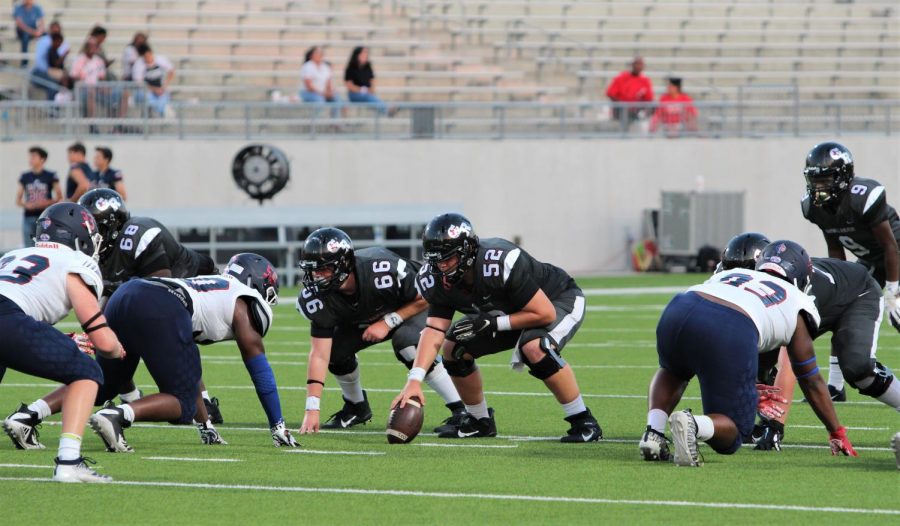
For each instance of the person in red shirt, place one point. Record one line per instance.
(676, 111)
(630, 86)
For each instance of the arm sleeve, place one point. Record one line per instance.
(437, 310)
(320, 331)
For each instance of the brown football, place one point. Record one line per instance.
(405, 423)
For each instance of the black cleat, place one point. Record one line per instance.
(471, 427)
(836, 396)
(654, 445)
(212, 409)
(452, 423)
(109, 424)
(21, 427)
(352, 414)
(585, 428)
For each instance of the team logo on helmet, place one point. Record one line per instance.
(334, 245)
(781, 248)
(837, 154)
(269, 276)
(454, 231)
(103, 203)
(46, 223)
(88, 221)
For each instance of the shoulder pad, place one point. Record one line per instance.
(88, 270)
(260, 313)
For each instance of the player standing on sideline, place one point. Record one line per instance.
(38, 287)
(107, 176)
(511, 301)
(355, 299)
(716, 331)
(853, 213)
(80, 174)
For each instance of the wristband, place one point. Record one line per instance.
(392, 320)
(417, 374)
(892, 287)
(312, 403)
(503, 323)
(308, 382)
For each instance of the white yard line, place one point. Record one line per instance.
(191, 459)
(475, 446)
(327, 452)
(29, 466)
(490, 496)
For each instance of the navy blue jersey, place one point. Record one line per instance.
(71, 185)
(505, 279)
(107, 178)
(37, 187)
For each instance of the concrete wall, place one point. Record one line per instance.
(573, 203)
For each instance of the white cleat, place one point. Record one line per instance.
(684, 436)
(895, 444)
(78, 471)
(108, 424)
(654, 446)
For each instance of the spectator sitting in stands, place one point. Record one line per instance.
(130, 54)
(156, 72)
(360, 79)
(98, 33)
(38, 189)
(49, 57)
(317, 80)
(675, 111)
(106, 176)
(29, 24)
(88, 70)
(631, 87)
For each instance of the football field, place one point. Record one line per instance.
(523, 476)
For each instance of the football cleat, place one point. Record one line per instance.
(452, 423)
(109, 423)
(77, 471)
(836, 396)
(21, 427)
(352, 414)
(895, 445)
(209, 436)
(212, 409)
(585, 428)
(768, 435)
(654, 445)
(471, 427)
(281, 436)
(684, 436)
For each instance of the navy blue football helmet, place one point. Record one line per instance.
(743, 250)
(787, 260)
(69, 224)
(256, 272)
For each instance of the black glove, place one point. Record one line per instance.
(467, 329)
(768, 435)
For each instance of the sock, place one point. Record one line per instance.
(69, 447)
(128, 412)
(440, 381)
(133, 396)
(205, 395)
(266, 389)
(351, 386)
(891, 397)
(40, 407)
(478, 411)
(835, 376)
(705, 427)
(574, 407)
(656, 419)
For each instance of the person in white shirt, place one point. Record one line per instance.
(156, 73)
(130, 54)
(317, 80)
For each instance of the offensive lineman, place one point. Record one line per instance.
(510, 301)
(38, 287)
(853, 213)
(355, 299)
(716, 331)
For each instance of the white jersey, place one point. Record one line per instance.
(772, 303)
(211, 302)
(34, 278)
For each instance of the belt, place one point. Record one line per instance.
(176, 290)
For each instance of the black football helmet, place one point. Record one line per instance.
(449, 235)
(69, 224)
(743, 250)
(828, 172)
(256, 272)
(787, 260)
(327, 248)
(108, 208)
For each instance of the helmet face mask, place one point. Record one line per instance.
(446, 236)
(828, 173)
(326, 249)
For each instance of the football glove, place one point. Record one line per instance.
(83, 341)
(767, 406)
(892, 302)
(768, 435)
(281, 436)
(467, 329)
(208, 434)
(840, 443)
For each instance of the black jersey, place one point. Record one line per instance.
(384, 283)
(837, 284)
(145, 246)
(71, 185)
(506, 278)
(860, 209)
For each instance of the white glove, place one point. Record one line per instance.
(208, 434)
(282, 437)
(892, 302)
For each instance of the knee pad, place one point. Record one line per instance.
(547, 366)
(855, 370)
(730, 450)
(881, 381)
(346, 366)
(460, 368)
(407, 356)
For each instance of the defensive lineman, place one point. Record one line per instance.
(510, 301)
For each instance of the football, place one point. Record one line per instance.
(405, 423)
